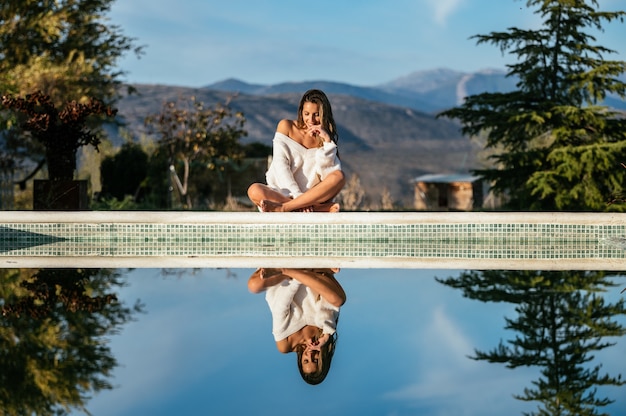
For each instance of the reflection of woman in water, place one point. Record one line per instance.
(305, 308)
(305, 173)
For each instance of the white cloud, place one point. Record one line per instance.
(445, 340)
(443, 9)
(452, 392)
(452, 383)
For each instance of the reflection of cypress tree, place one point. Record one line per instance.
(53, 345)
(562, 319)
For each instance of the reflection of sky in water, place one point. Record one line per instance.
(205, 347)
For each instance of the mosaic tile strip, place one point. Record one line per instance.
(406, 241)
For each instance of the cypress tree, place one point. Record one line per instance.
(562, 320)
(554, 145)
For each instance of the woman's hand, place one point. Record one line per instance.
(318, 131)
(316, 344)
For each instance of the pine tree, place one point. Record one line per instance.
(556, 147)
(562, 321)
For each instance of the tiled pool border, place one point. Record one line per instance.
(450, 240)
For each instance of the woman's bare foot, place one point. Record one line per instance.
(271, 206)
(267, 273)
(327, 207)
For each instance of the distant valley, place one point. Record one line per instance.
(388, 134)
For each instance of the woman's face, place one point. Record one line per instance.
(310, 359)
(311, 114)
(312, 351)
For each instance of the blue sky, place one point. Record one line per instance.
(205, 347)
(366, 42)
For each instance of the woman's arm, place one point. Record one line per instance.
(326, 160)
(263, 278)
(328, 287)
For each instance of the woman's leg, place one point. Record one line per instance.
(315, 199)
(263, 278)
(258, 192)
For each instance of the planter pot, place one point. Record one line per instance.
(62, 195)
(61, 164)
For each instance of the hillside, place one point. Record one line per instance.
(388, 133)
(386, 145)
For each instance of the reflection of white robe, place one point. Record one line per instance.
(296, 169)
(294, 305)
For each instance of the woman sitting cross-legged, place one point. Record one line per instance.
(305, 173)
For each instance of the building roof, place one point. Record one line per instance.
(446, 178)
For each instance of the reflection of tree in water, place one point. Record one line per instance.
(53, 337)
(562, 319)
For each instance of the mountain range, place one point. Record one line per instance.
(388, 134)
(429, 91)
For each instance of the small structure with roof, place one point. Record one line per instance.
(448, 192)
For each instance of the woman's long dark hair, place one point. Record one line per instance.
(325, 359)
(326, 112)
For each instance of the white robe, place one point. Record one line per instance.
(296, 169)
(294, 305)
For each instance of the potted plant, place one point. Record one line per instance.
(60, 131)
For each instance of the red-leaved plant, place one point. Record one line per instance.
(60, 131)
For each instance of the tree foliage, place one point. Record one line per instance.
(562, 320)
(124, 173)
(550, 134)
(194, 139)
(554, 146)
(65, 48)
(54, 333)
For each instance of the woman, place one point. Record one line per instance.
(305, 173)
(305, 309)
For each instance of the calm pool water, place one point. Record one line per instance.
(205, 347)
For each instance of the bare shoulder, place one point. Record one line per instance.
(283, 346)
(285, 127)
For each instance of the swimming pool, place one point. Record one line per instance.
(457, 240)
